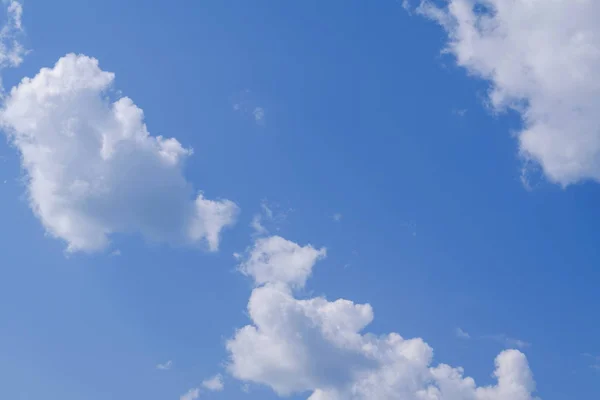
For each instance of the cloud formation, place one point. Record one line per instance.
(318, 346)
(542, 59)
(93, 169)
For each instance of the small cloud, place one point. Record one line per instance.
(214, 384)
(461, 334)
(246, 388)
(192, 394)
(247, 104)
(259, 115)
(237, 256)
(115, 253)
(257, 225)
(595, 361)
(166, 366)
(461, 112)
(337, 217)
(266, 210)
(267, 216)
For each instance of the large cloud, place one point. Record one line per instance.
(318, 346)
(94, 170)
(542, 58)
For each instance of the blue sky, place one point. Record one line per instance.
(454, 195)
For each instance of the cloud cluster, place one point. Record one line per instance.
(542, 59)
(93, 169)
(318, 346)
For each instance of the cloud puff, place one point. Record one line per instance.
(93, 169)
(275, 259)
(318, 346)
(542, 58)
(214, 384)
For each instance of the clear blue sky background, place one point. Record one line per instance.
(360, 119)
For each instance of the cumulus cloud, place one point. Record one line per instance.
(542, 59)
(214, 384)
(275, 259)
(317, 346)
(93, 169)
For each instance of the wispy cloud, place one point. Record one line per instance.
(594, 361)
(269, 217)
(214, 384)
(461, 112)
(191, 394)
(166, 366)
(508, 341)
(247, 104)
(259, 115)
(461, 334)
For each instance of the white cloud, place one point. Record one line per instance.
(259, 115)
(246, 103)
(461, 334)
(259, 228)
(337, 217)
(406, 5)
(93, 169)
(266, 216)
(542, 58)
(319, 347)
(11, 50)
(277, 260)
(192, 394)
(214, 384)
(166, 366)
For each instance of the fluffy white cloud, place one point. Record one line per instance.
(318, 346)
(93, 169)
(275, 259)
(542, 59)
(214, 384)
